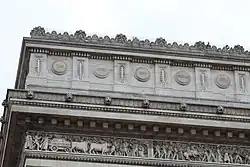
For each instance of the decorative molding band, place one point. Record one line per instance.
(120, 160)
(121, 40)
(111, 149)
(213, 66)
(132, 103)
(129, 110)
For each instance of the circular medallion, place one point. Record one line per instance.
(182, 78)
(142, 74)
(59, 67)
(222, 81)
(101, 72)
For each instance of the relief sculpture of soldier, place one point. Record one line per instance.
(200, 152)
(208, 155)
(137, 148)
(87, 145)
(37, 141)
(29, 141)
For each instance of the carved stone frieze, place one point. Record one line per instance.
(201, 152)
(223, 67)
(81, 144)
(131, 147)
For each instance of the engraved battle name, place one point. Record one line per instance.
(129, 147)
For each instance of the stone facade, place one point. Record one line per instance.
(99, 101)
(158, 77)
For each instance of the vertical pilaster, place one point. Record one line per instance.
(121, 75)
(38, 70)
(162, 78)
(241, 85)
(203, 83)
(80, 73)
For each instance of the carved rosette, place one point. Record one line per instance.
(183, 78)
(222, 81)
(59, 67)
(101, 72)
(142, 74)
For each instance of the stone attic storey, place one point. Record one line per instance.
(94, 101)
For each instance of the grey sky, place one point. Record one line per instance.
(219, 22)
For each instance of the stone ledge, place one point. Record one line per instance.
(100, 112)
(122, 160)
(135, 100)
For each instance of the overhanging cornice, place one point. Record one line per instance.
(133, 100)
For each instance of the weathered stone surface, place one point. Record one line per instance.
(99, 101)
(79, 36)
(130, 77)
(128, 147)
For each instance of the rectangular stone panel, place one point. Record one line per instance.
(76, 147)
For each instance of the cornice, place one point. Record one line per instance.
(132, 111)
(120, 104)
(225, 65)
(120, 40)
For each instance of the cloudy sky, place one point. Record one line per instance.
(219, 22)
